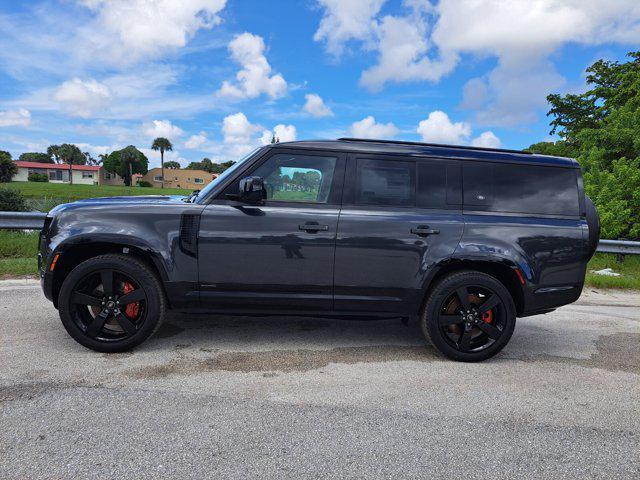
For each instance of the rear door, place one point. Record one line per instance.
(278, 255)
(400, 217)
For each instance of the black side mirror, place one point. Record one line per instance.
(252, 190)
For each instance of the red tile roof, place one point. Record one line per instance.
(57, 166)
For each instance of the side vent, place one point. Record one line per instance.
(189, 226)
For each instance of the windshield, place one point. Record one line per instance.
(228, 172)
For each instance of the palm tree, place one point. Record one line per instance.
(164, 145)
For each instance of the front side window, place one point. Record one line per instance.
(158, 178)
(87, 174)
(297, 178)
(385, 182)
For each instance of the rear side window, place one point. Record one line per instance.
(439, 184)
(521, 189)
(385, 182)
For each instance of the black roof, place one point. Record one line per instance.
(357, 145)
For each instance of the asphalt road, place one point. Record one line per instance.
(222, 397)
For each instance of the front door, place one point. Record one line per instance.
(278, 255)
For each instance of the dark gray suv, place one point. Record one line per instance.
(462, 239)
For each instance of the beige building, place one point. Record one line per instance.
(174, 178)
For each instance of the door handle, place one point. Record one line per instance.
(313, 227)
(424, 230)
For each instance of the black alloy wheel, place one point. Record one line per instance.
(108, 305)
(111, 303)
(469, 316)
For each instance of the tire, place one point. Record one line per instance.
(474, 337)
(593, 221)
(102, 322)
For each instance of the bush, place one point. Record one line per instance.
(38, 177)
(7, 168)
(144, 183)
(12, 201)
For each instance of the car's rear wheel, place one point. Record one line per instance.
(469, 316)
(111, 303)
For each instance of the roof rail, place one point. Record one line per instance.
(462, 147)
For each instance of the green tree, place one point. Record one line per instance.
(7, 168)
(126, 162)
(35, 157)
(69, 154)
(559, 149)
(601, 128)
(208, 166)
(164, 145)
(221, 167)
(52, 151)
(172, 165)
(89, 160)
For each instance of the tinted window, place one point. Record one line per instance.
(297, 178)
(385, 182)
(432, 184)
(522, 189)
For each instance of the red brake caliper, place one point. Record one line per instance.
(132, 309)
(487, 317)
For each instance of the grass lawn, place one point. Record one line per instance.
(18, 254)
(45, 196)
(629, 271)
(18, 259)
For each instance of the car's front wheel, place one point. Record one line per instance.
(469, 316)
(111, 303)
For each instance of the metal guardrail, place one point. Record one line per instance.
(22, 220)
(622, 247)
(35, 221)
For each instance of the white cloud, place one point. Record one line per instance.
(438, 128)
(486, 139)
(402, 56)
(427, 42)
(283, 133)
(20, 117)
(316, 106)
(256, 77)
(196, 141)
(239, 134)
(368, 128)
(95, 150)
(345, 20)
(161, 128)
(132, 30)
(82, 97)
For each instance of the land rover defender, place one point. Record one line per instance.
(461, 239)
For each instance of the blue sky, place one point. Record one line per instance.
(221, 77)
